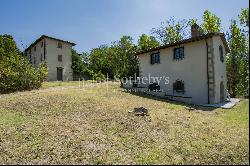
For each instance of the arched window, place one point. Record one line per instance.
(221, 54)
(178, 86)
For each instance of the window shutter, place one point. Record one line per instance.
(152, 59)
(174, 55)
(181, 52)
(158, 58)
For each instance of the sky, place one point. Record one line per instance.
(90, 23)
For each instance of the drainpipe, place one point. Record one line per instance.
(208, 98)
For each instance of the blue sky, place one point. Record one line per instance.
(90, 23)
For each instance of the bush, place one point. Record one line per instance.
(16, 73)
(99, 77)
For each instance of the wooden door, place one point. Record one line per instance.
(59, 74)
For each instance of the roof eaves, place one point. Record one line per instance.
(45, 36)
(187, 41)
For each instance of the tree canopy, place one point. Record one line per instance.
(211, 23)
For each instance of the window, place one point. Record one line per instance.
(59, 58)
(221, 54)
(41, 57)
(178, 53)
(44, 57)
(155, 58)
(178, 86)
(41, 44)
(59, 45)
(35, 48)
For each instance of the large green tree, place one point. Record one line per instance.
(171, 31)
(146, 42)
(101, 60)
(243, 85)
(175, 30)
(126, 62)
(118, 60)
(79, 65)
(244, 17)
(237, 61)
(211, 23)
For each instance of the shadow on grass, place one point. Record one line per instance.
(189, 107)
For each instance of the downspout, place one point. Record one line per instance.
(208, 98)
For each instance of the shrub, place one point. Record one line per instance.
(16, 73)
(99, 77)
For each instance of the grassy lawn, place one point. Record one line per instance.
(91, 125)
(60, 83)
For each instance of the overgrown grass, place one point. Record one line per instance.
(91, 125)
(61, 83)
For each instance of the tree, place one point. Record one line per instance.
(126, 62)
(7, 46)
(78, 66)
(211, 23)
(244, 17)
(146, 42)
(243, 85)
(237, 61)
(102, 61)
(192, 22)
(85, 58)
(171, 31)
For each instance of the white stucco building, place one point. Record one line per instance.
(57, 55)
(192, 70)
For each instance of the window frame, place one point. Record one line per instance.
(59, 58)
(179, 86)
(59, 45)
(155, 58)
(181, 54)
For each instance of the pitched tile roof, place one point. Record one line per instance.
(48, 37)
(192, 39)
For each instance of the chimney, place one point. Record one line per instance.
(195, 31)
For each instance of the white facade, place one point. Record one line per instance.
(56, 58)
(201, 71)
